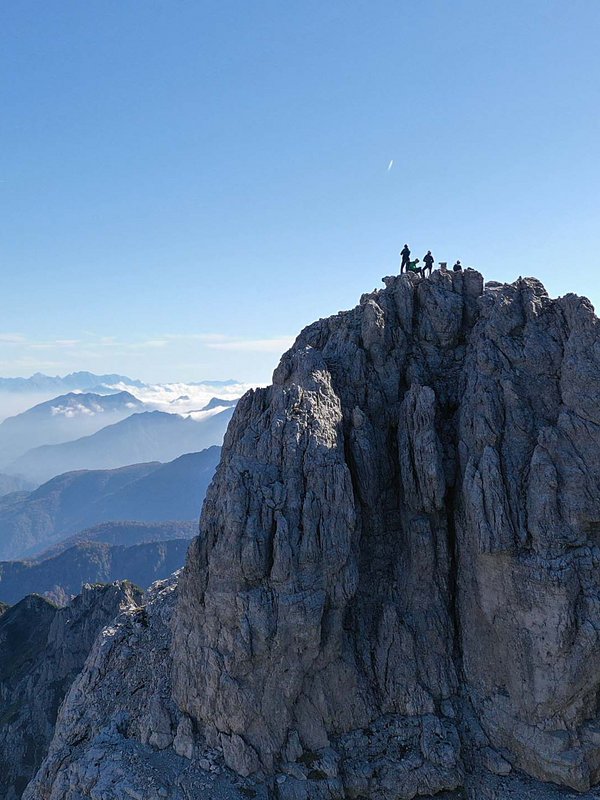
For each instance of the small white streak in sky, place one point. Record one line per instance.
(390, 165)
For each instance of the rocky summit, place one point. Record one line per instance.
(395, 592)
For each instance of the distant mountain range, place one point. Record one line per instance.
(126, 533)
(75, 380)
(141, 437)
(217, 402)
(61, 576)
(32, 522)
(63, 419)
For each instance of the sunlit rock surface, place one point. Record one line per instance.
(395, 590)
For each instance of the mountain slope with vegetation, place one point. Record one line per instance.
(60, 577)
(67, 504)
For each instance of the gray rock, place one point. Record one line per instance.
(239, 755)
(183, 743)
(396, 585)
(42, 649)
(494, 762)
(417, 492)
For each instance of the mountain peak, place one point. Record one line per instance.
(393, 593)
(414, 459)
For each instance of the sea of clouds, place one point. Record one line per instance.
(176, 398)
(184, 398)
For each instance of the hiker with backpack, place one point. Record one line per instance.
(428, 260)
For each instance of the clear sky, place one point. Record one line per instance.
(184, 184)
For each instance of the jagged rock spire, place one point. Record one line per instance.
(405, 516)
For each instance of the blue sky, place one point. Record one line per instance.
(184, 185)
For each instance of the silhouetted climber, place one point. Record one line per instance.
(405, 253)
(428, 260)
(457, 267)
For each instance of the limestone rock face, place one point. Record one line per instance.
(42, 649)
(119, 735)
(395, 592)
(410, 514)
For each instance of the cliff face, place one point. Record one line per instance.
(42, 649)
(395, 590)
(408, 515)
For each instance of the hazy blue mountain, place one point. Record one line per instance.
(63, 419)
(217, 402)
(147, 436)
(65, 505)
(75, 380)
(14, 483)
(126, 533)
(62, 576)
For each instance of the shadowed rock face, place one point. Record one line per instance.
(42, 649)
(403, 525)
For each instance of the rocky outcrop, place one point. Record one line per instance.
(408, 515)
(42, 649)
(119, 735)
(395, 591)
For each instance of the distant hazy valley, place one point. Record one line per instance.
(104, 422)
(104, 479)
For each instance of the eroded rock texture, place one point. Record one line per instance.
(42, 649)
(395, 590)
(408, 515)
(119, 735)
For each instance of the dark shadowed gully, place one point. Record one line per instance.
(395, 591)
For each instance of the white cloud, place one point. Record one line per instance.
(12, 338)
(148, 344)
(60, 343)
(196, 337)
(276, 345)
(184, 398)
(76, 410)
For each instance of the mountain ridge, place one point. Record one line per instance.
(69, 503)
(63, 418)
(42, 648)
(74, 380)
(139, 437)
(395, 589)
(60, 577)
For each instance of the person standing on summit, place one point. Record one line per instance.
(428, 260)
(405, 253)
